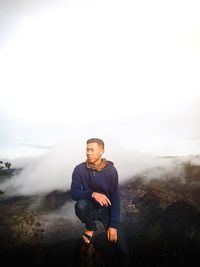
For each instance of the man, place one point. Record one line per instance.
(95, 189)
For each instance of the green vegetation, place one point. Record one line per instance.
(3, 165)
(7, 164)
(25, 228)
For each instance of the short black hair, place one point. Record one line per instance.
(96, 140)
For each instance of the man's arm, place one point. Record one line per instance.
(77, 191)
(115, 200)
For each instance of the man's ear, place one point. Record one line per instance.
(102, 152)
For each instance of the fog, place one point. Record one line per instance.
(53, 170)
(124, 71)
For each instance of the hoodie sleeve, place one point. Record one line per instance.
(115, 200)
(77, 191)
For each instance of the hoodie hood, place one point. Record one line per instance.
(104, 165)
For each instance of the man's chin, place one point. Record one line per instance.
(91, 161)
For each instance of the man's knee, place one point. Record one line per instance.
(81, 205)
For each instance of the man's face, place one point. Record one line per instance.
(94, 152)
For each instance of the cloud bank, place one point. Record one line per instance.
(53, 170)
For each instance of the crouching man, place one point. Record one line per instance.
(95, 189)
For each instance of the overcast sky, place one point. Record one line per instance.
(126, 71)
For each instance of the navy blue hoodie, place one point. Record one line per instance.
(86, 181)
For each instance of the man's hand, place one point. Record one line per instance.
(101, 199)
(112, 234)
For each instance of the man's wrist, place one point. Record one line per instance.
(114, 224)
(112, 228)
(93, 194)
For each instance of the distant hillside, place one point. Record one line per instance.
(161, 217)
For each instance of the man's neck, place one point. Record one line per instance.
(97, 162)
(98, 165)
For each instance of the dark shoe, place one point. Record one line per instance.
(89, 255)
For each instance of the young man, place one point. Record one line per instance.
(95, 189)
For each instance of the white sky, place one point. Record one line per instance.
(127, 70)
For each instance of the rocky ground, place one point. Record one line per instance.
(160, 217)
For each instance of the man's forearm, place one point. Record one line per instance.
(115, 211)
(77, 194)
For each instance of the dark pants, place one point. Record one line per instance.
(88, 212)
